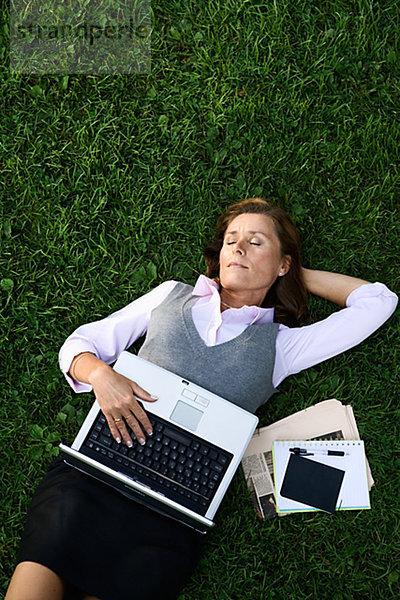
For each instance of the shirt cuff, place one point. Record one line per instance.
(372, 290)
(65, 358)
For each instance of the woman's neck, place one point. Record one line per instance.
(231, 299)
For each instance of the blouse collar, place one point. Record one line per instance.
(250, 314)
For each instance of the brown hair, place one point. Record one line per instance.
(288, 295)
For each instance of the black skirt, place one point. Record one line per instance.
(104, 544)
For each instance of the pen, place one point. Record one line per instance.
(304, 452)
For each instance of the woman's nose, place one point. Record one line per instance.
(238, 247)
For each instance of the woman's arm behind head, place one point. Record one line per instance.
(334, 287)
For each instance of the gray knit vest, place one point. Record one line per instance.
(239, 370)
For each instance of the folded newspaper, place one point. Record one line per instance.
(327, 420)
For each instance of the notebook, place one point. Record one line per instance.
(184, 470)
(320, 475)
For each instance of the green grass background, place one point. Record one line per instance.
(110, 184)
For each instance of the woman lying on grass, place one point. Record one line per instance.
(85, 540)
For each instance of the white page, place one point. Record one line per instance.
(354, 492)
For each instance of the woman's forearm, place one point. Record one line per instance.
(334, 287)
(84, 367)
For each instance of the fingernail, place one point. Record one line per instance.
(129, 444)
(150, 431)
(118, 440)
(142, 441)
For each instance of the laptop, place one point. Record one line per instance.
(184, 469)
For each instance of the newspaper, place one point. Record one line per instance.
(327, 420)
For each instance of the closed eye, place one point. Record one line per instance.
(252, 243)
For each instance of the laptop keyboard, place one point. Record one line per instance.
(173, 461)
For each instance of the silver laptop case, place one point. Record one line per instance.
(183, 404)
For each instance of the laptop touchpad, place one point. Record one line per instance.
(186, 415)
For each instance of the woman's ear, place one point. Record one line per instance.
(285, 265)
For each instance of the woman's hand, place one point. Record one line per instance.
(115, 394)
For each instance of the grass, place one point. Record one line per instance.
(111, 184)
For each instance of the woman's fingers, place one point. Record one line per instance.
(113, 424)
(122, 428)
(119, 429)
(134, 426)
(133, 416)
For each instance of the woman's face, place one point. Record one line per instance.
(250, 258)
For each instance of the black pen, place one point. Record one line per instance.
(304, 452)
